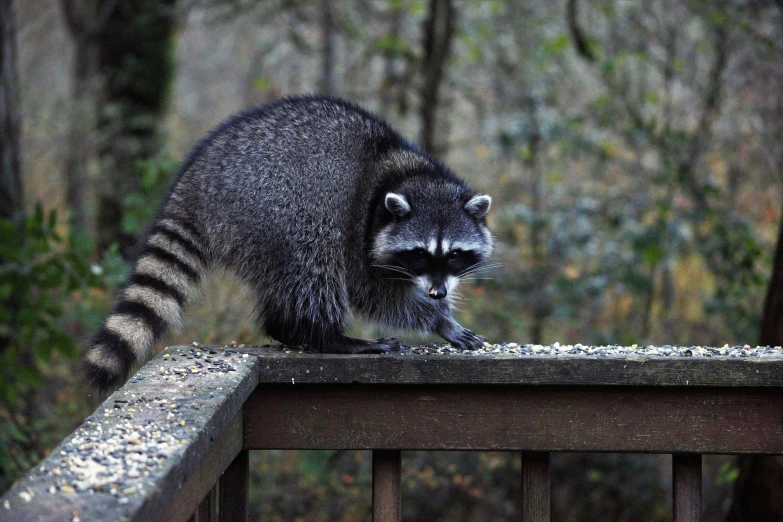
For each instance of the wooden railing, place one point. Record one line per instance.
(173, 443)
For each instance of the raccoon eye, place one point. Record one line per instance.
(421, 253)
(454, 254)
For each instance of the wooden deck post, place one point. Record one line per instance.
(686, 479)
(386, 506)
(233, 490)
(535, 486)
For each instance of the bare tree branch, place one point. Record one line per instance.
(710, 112)
(582, 44)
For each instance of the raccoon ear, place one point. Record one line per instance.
(478, 206)
(397, 205)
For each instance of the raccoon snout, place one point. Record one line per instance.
(437, 291)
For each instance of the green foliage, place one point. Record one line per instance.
(335, 486)
(460, 485)
(157, 174)
(33, 278)
(41, 274)
(727, 474)
(310, 485)
(618, 486)
(735, 255)
(557, 45)
(393, 45)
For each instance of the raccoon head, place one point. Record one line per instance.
(431, 236)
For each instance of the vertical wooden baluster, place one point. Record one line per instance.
(535, 486)
(386, 506)
(233, 491)
(686, 479)
(207, 510)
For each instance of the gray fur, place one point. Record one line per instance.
(295, 198)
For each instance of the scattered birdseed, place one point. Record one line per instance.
(132, 441)
(580, 350)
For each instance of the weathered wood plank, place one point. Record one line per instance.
(535, 486)
(302, 368)
(534, 418)
(234, 490)
(132, 456)
(200, 483)
(386, 476)
(686, 480)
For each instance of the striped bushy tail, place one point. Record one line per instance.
(164, 276)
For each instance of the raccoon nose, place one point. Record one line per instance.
(438, 291)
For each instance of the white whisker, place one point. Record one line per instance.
(394, 268)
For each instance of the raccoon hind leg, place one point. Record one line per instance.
(309, 309)
(319, 337)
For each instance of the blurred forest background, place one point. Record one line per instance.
(634, 150)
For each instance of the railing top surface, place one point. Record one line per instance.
(128, 458)
(513, 364)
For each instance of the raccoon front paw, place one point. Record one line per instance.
(467, 340)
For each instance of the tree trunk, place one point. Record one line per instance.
(439, 28)
(327, 49)
(85, 20)
(758, 491)
(11, 193)
(81, 144)
(390, 75)
(136, 68)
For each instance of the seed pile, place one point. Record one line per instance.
(201, 362)
(580, 350)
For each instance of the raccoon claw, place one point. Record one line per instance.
(467, 340)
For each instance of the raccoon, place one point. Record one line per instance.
(320, 207)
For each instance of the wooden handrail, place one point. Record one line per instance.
(173, 443)
(151, 451)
